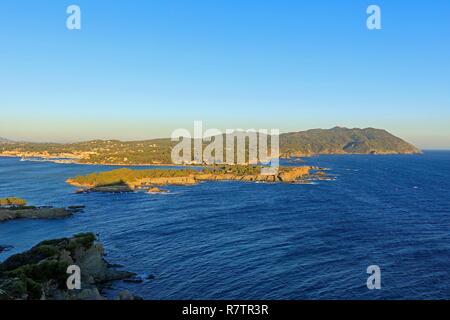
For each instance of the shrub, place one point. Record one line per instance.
(13, 201)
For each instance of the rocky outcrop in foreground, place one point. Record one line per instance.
(41, 272)
(339, 140)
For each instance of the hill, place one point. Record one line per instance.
(340, 140)
(158, 151)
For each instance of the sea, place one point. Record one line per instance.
(234, 240)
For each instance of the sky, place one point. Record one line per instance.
(141, 69)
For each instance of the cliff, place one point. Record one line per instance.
(41, 272)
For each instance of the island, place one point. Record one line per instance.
(16, 208)
(127, 180)
(41, 272)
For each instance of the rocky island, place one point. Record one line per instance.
(41, 272)
(126, 180)
(16, 208)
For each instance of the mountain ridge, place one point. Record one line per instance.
(337, 140)
(341, 140)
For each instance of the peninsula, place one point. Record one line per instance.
(122, 180)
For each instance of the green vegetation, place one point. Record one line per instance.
(85, 240)
(122, 176)
(44, 263)
(42, 272)
(98, 151)
(13, 201)
(239, 170)
(340, 140)
(158, 151)
(129, 176)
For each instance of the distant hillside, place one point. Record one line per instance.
(340, 140)
(158, 151)
(3, 140)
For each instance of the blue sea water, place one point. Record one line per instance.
(231, 240)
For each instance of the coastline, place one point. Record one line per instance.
(128, 180)
(55, 160)
(283, 157)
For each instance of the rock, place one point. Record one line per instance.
(114, 275)
(127, 295)
(294, 173)
(13, 289)
(114, 265)
(87, 294)
(119, 188)
(40, 273)
(76, 209)
(156, 190)
(134, 280)
(33, 213)
(5, 248)
(176, 181)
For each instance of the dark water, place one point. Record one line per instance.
(231, 240)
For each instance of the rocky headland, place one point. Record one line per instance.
(41, 272)
(127, 180)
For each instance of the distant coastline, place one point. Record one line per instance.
(157, 152)
(75, 161)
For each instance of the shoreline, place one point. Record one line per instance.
(54, 160)
(291, 158)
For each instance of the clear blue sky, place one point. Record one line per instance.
(140, 69)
